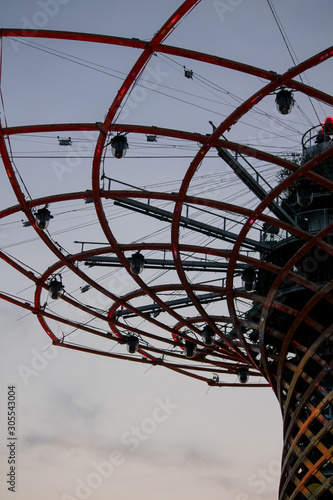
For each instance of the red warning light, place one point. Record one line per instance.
(328, 125)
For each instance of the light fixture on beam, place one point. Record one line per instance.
(43, 217)
(208, 335)
(119, 146)
(243, 375)
(132, 344)
(248, 278)
(137, 263)
(56, 288)
(284, 101)
(190, 348)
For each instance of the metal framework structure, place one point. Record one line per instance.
(278, 332)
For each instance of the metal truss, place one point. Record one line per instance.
(298, 371)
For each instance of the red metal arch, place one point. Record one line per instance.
(232, 353)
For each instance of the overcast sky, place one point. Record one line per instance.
(87, 426)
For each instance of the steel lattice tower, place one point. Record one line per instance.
(277, 326)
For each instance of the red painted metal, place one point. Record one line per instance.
(232, 348)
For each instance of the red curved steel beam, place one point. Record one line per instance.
(123, 301)
(179, 134)
(170, 24)
(131, 78)
(175, 51)
(314, 241)
(65, 260)
(264, 204)
(149, 354)
(81, 256)
(81, 195)
(226, 124)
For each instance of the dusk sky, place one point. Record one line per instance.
(89, 427)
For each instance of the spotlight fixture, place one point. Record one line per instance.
(190, 348)
(208, 335)
(243, 375)
(284, 101)
(43, 217)
(248, 278)
(119, 146)
(132, 344)
(56, 288)
(137, 263)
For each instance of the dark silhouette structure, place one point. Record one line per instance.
(268, 311)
